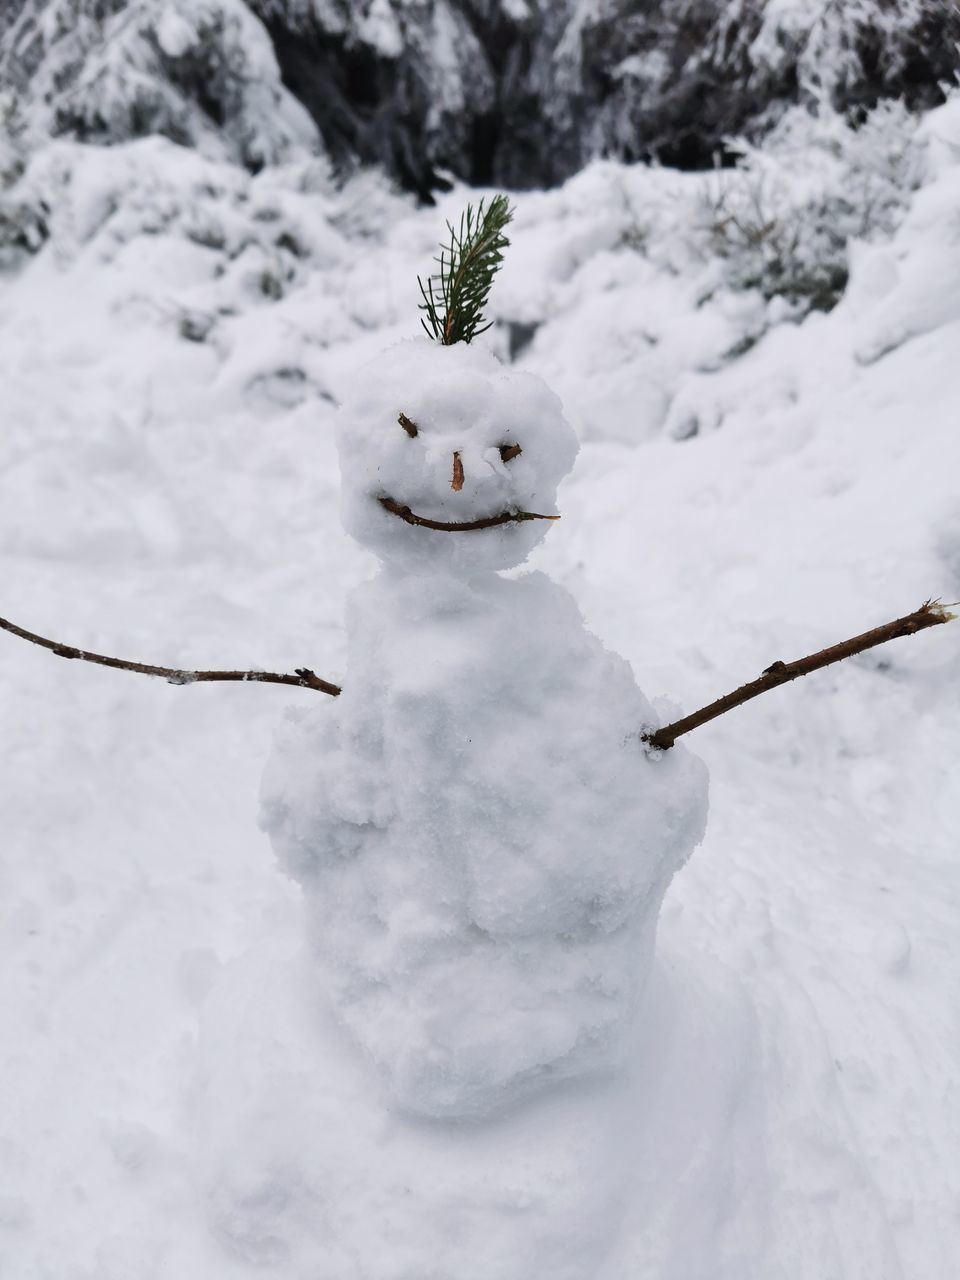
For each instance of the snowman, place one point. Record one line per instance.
(482, 839)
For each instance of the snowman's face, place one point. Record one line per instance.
(449, 460)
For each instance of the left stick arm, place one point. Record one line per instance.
(303, 677)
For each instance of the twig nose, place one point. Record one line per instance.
(456, 484)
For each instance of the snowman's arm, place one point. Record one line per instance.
(930, 614)
(304, 677)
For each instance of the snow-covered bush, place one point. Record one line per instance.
(850, 53)
(23, 221)
(110, 196)
(13, 135)
(782, 220)
(201, 72)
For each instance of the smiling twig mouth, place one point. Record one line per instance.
(460, 526)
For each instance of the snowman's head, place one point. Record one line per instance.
(449, 460)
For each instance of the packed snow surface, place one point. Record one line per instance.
(184, 1094)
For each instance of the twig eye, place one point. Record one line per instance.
(509, 451)
(409, 427)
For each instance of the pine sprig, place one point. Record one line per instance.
(454, 299)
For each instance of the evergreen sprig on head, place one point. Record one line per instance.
(454, 299)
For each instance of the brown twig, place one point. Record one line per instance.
(930, 614)
(460, 526)
(304, 677)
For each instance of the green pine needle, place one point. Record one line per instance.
(454, 299)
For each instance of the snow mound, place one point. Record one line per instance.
(300, 1173)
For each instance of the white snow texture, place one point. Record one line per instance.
(182, 1091)
(482, 840)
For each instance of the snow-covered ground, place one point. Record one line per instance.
(171, 363)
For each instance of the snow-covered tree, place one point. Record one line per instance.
(520, 93)
(201, 72)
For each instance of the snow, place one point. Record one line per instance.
(182, 1098)
(527, 91)
(379, 28)
(336, 1186)
(174, 33)
(202, 72)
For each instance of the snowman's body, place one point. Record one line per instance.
(482, 841)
